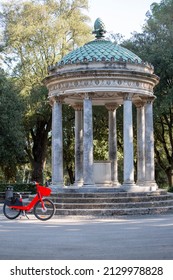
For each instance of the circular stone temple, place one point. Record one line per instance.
(106, 74)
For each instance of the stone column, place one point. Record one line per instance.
(140, 143)
(57, 143)
(113, 143)
(88, 168)
(78, 144)
(149, 145)
(128, 143)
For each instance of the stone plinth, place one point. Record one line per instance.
(102, 173)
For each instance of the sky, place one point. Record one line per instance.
(120, 16)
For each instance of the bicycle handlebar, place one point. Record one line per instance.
(34, 183)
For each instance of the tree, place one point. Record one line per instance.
(100, 133)
(155, 45)
(68, 142)
(11, 130)
(37, 34)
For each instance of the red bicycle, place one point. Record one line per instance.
(43, 208)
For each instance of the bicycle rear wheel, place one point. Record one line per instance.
(44, 214)
(10, 213)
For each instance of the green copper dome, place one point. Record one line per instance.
(99, 50)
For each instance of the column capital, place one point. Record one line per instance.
(56, 99)
(111, 106)
(149, 99)
(86, 95)
(139, 103)
(128, 96)
(77, 106)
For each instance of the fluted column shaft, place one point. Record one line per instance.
(113, 142)
(57, 143)
(128, 142)
(149, 144)
(88, 168)
(78, 144)
(140, 143)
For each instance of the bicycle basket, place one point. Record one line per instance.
(44, 191)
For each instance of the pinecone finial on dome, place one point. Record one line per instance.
(99, 28)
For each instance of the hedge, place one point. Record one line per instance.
(19, 187)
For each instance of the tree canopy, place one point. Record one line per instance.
(36, 35)
(11, 130)
(154, 45)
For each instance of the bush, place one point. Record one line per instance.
(19, 187)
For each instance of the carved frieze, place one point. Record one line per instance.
(96, 84)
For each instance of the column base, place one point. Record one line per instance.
(140, 183)
(129, 187)
(116, 184)
(57, 183)
(89, 186)
(152, 185)
(145, 187)
(56, 186)
(78, 184)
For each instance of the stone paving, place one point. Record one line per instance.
(87, 238)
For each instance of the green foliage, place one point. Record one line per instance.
(100, 132)
(18, 187)
(155, 46)
(68, 142)
(11, 129)
(36, 35)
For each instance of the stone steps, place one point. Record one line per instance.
(114, 212)
(108, 200)
(113, 205)
(109, 203)
(92, 192)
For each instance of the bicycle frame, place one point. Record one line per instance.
(43, 208)
(28, 207)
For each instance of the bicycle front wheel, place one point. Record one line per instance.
(10, 213)
(44, 213)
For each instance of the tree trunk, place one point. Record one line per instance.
(39, 150)
(37, 171)
(71, 174)
(169, 173)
